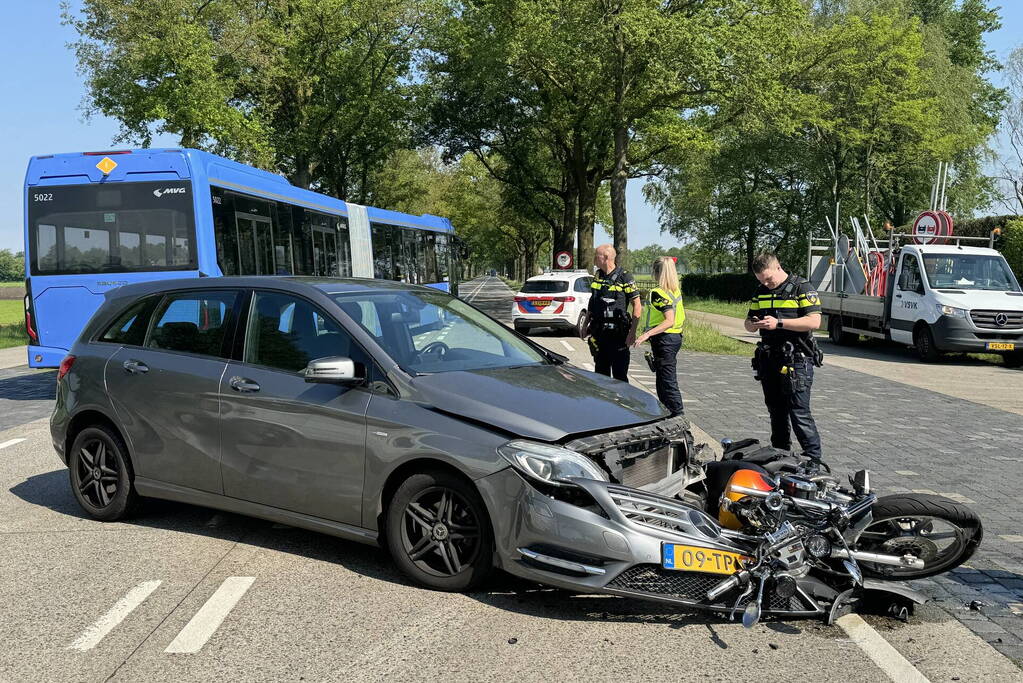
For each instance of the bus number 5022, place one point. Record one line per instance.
(48, 197)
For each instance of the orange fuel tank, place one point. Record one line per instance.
(750, 479)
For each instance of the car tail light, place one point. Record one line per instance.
(30, 327)
(521, 298)
(65, 366)
(566, 299)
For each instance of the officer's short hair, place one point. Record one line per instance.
(765, 260)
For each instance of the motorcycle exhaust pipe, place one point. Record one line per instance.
(733, 581)
(877, 558)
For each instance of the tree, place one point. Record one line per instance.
(318, 90)
(596, 88)
(1011, 164)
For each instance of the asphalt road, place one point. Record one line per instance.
(185, 593)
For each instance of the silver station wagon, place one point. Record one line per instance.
(373, 411)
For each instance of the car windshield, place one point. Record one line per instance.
(544, 286)
(969, 271)
(427, 332)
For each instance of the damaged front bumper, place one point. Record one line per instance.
(613, 544)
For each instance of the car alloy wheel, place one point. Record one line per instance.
(101, 475)
(98, 476)
(440, 532)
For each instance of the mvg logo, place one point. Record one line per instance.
(169, 190)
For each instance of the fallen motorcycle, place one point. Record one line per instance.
(766, 532)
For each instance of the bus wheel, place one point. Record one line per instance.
(923, 340)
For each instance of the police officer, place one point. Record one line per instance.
(662, 323)
(786, 310)
(614, 311)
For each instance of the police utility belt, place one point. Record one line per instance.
(780, 357)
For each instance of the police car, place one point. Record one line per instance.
(556, 299)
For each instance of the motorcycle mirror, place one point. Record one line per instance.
(861, 481)
(854, 571)
(751, 615)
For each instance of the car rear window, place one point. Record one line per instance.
(544, 286)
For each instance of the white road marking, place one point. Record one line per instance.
(209, 617)
(5, 444)
(1011, 538)
(563, 343)
(887, 658)
(907, 473)
(122, 608)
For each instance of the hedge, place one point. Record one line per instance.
(722, 286)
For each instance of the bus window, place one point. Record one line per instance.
(96, 228)
(384, 261)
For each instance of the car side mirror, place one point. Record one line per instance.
(334, 370)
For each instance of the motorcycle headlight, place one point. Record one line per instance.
(951, 311)
(550, 464)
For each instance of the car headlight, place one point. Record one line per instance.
(951, 311)
(550, 464)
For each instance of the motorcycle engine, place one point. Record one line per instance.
(798, 487)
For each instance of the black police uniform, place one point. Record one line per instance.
(610, 297)
(785, 361)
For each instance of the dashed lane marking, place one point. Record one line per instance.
(563, 343)
(121, 609)
(11, 442)
(907, 473)
(890, 660)
(209, 617)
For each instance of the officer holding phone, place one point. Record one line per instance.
(786, 310)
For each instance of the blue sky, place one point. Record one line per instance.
(42, 114)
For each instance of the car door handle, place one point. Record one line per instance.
(135, 367)
(243, 385)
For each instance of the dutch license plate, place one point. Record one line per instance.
(691, 558)
(1000, 346)
(541, 303)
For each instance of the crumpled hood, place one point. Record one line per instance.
(545, 402)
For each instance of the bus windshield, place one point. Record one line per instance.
(969, 271)
(111, 228)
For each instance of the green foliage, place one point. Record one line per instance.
(12, 266)
(881, 90)
(1012, 245)
(315, 89)
(721, 286)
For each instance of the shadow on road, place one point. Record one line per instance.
(503, 591)
(29, 386)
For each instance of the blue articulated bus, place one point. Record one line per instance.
(98, 220)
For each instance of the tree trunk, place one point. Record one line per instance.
(619, 181)
(584, 228)
(751, 243)
(564, 235)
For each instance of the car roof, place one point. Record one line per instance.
(288, 282)
(561, 275)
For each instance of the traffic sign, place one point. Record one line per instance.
(563, 259)
(926, 227)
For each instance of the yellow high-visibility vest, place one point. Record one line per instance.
(652, 317)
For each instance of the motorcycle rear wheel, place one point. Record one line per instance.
(943, 533)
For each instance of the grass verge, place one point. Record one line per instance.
(13, 335)
(12, 311)
(733, 309)
(702, 337)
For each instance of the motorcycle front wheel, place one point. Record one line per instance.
(942, 533)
